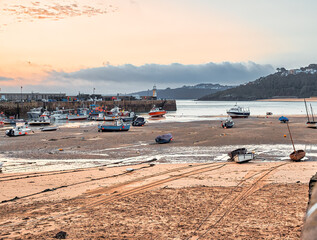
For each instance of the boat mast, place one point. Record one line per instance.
(312, 113)
(306, 109)
(290, 136)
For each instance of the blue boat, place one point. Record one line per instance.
(283, 119)
(166, 138)
(118, 126)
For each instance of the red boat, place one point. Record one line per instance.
(157, 112)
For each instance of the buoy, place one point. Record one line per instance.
(61, 149)
(285, 135)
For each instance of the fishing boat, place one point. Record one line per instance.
(309, 123)
(165, 138)
(18, 131)
(295, 155)
(117, 126)
(80, 114)
(61, 114)
(95, 111)
(228, 123)
(238, 112)
(157, 112)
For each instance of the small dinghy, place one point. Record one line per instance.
(242, 158)
(228, 123)
(241, 155)
(283, 119)
(295, 155)
(166, 138)
(48, 129)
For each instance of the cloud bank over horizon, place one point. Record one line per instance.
(130, 78)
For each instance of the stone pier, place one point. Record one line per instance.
(137, 106)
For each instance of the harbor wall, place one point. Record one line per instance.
(138, 106)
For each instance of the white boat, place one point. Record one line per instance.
(80, 114)
(238, 112)
(60, 114)
(18, 131)
(243, 157)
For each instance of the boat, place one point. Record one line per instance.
(117, 126)
(35, 113)
(80, 114)
(236, 152)
(309, 123)
(228, 123)
(95, 110)
(42, 120)
(295, 155)
(60, 114)
(115, 114)
(238, 112)
(241, 155)
(139, 121)
(242, 158)
(157, 112)
(283, 119)
(18, 131)
(48, 129)
(166, 138)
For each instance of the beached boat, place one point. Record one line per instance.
(296, 155)
(283, 119)
(242, 158)
(117, 126)
(48, 129)
(309, 123)
(139, 121)
(238, 112)
(60, 114)
(18, 131)
(157, 112)
(80, 114)
(166, 138)
(236, 152)
(228, 123)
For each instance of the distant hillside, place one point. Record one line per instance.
(186, 92)
(301, 83)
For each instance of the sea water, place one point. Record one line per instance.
(191, 110)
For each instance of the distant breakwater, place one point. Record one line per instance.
(138, 106)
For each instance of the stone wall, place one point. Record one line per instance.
(138, 106)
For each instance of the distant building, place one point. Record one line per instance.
(32, 96)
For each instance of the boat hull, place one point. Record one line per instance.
(297, 155)
(104, 128)
(243, 158)
(238, 115)
(157, 114)
(311, 124)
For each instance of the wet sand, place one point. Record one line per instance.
(192, 200)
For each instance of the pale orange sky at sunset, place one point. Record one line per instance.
(38, 38)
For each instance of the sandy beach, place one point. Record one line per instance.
(183, 190)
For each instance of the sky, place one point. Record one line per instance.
(123, 46)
